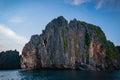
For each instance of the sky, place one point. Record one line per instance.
(19, 19)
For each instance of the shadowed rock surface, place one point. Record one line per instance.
(10, 60)
(73, 45)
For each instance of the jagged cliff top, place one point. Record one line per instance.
(62, 22)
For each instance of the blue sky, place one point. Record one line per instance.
(19, 19)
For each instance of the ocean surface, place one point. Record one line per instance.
(58, 75)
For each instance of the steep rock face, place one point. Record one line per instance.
(74, 45)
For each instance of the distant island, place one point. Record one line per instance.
(62, 45)
(73, 45)
(9, 60)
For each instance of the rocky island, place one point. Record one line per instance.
(9, 60)
(73, 45)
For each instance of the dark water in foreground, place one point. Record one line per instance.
(58, 75)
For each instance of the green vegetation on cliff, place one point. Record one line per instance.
(87, 39)
(118, 53)
(83, 23)
(65, 41)
(111, 52)
(99, 33)
(97, 30)
(118, 49)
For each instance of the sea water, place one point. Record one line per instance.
(58, 75)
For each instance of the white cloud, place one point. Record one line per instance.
(108, 4)
(16, 19)
(100, 4)
(12, 35)
(112, 5)
(78, 2)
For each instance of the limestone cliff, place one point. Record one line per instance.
(73, 45)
